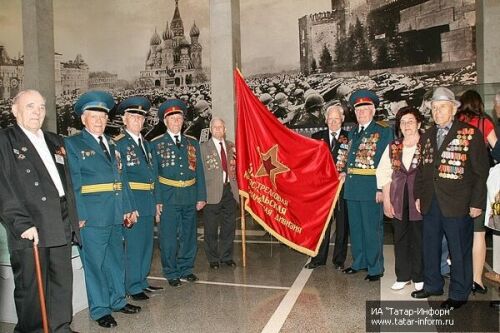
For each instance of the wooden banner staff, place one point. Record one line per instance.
(41, 294)
(243, 230)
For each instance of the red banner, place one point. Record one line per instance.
(289, 181)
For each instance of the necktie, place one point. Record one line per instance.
(104, 149)
(223, 159)
(334, 140)
(361, 131)
(177, 142)
(441, 133)
(143, 151)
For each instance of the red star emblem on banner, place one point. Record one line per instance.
(271, 166)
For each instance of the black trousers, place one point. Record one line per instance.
(408, 246)
(459, 233)
(219, 245)
(57, 276)
(341, 236)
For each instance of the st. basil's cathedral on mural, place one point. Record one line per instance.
(172, 60)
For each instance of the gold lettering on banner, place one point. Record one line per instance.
(272, 203)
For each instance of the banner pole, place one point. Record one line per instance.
(243, 230)
(41, 294)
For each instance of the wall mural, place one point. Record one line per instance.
(311, 54)
(308, 54)
(155, 48)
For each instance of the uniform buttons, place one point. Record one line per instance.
(28, 170)
(180, 157)
(182, 173)
(116, 193)
(180, 165)
(44, 199)
(36, 183)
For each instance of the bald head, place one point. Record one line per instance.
(29, 109)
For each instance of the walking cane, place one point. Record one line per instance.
(39, 281)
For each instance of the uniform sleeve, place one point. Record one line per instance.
(201, 190)
(76, 178)
(384, 169)
(156, 171)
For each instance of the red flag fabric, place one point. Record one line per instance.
(289, 181)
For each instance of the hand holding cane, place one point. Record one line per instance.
(41, 294)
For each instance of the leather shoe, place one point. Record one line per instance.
(477, 288)
(152, 289)
(350, 270)
(312, 265)
(190, 278)
(230, 263)
(130, 309)
(424, 294)
(214, 265)
(373, 278)
(107, 321)
(451, 304)
(174, 283)
(139, 296)
(338, 267)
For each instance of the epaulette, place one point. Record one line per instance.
(383, 123)
(158, 137)
(190, 137)
(119, 137)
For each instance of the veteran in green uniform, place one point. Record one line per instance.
(103, 202)
(180, 192)
(368, 141)
(137, 161)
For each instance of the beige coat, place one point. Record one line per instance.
(213, 170)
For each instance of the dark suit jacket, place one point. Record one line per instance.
(325, 136)
(455, 196)
(28, 197)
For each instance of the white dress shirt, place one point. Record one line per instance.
(217, 146)
(96, 137)
(38, 140)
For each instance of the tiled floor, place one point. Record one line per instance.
(272, 294)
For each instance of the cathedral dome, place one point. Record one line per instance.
(195, 32)
(155, 39)
(184, 42)
(167, 34)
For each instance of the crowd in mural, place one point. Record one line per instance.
(431, 183)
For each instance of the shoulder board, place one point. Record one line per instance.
(190, 137)
(158, 137)
(383, 123)
(119, 137)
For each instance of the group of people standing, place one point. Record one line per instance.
(104, 194)
(430, 182)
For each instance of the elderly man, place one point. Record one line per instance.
(450, 191)
(218, 155)
(137, 161)
(103, 203)
(338, 142)
(180, 192)
(38, 209)
(368, 141)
